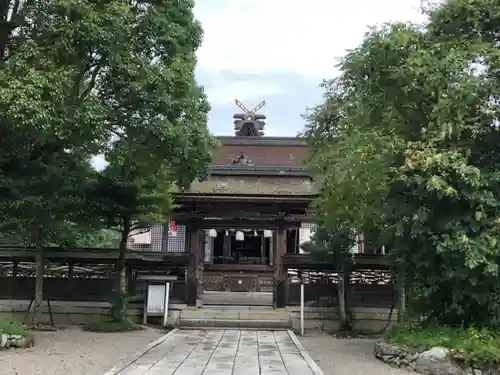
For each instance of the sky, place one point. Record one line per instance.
(280, 51)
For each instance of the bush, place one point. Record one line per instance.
(469, 345)
(110, 325)
(11, 327)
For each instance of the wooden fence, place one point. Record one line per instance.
(368, 281)
(86, 275)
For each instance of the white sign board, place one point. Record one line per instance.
(156, 299)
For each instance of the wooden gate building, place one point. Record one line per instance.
(252, 210)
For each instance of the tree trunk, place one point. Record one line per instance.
(122, 269)
(119, 309)
(401, 296)
(342, 304)
(342, 285)
(39, 270)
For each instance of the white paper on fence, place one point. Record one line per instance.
(304, 236)
(156, 299)
(355, 248)
(142, 237)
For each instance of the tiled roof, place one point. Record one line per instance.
(255, 186)
(265, 151)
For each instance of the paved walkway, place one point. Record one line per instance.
(222, 352)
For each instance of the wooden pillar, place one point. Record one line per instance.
(279, 277)
(263, 248)
(202, 239)
(194, 290)
(226, 249)
(164, 238)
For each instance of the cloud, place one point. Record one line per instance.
(280, 50)
(303, 37)
(223, 88)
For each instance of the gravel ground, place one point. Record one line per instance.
(346, 356)
(74, 352)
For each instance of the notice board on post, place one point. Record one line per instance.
(157, 296)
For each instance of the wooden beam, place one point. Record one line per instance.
(358, 261)
(238, 267)
(87, 256)
(243, 223)
(181, 198)
(259, 207)
(186, 216)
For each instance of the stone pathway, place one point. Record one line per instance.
(222, 352)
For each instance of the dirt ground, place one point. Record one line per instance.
(346, 356)
(74, 352)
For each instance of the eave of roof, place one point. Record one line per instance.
(244, 197)
(260, 170)
(262, 141)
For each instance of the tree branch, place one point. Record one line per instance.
(97, 68)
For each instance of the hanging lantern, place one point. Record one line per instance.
(268, 233)
(255, 233)
(240, 236)
(227, 233)
(212, 233)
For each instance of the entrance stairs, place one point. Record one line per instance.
(250, 317)
(237, 298)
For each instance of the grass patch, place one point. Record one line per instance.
(11, 327)
(468, 345)
(110, 325)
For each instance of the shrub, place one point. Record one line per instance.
(111, 325)
(11, 327)
(469, 345)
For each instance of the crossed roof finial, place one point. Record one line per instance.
(249, 123)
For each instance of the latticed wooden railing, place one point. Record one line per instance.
(85, 274)
(369, 281)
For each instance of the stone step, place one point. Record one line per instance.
(236, 308)
(228, 314)
(238, 298)
(235, 323)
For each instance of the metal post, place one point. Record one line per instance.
(167, 298)
(301, 307)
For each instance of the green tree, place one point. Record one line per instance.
(158, 116)
(97, 238)
(334, 247)
(407, 143)
(83, 77)
(50, 122)
(128, 204)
